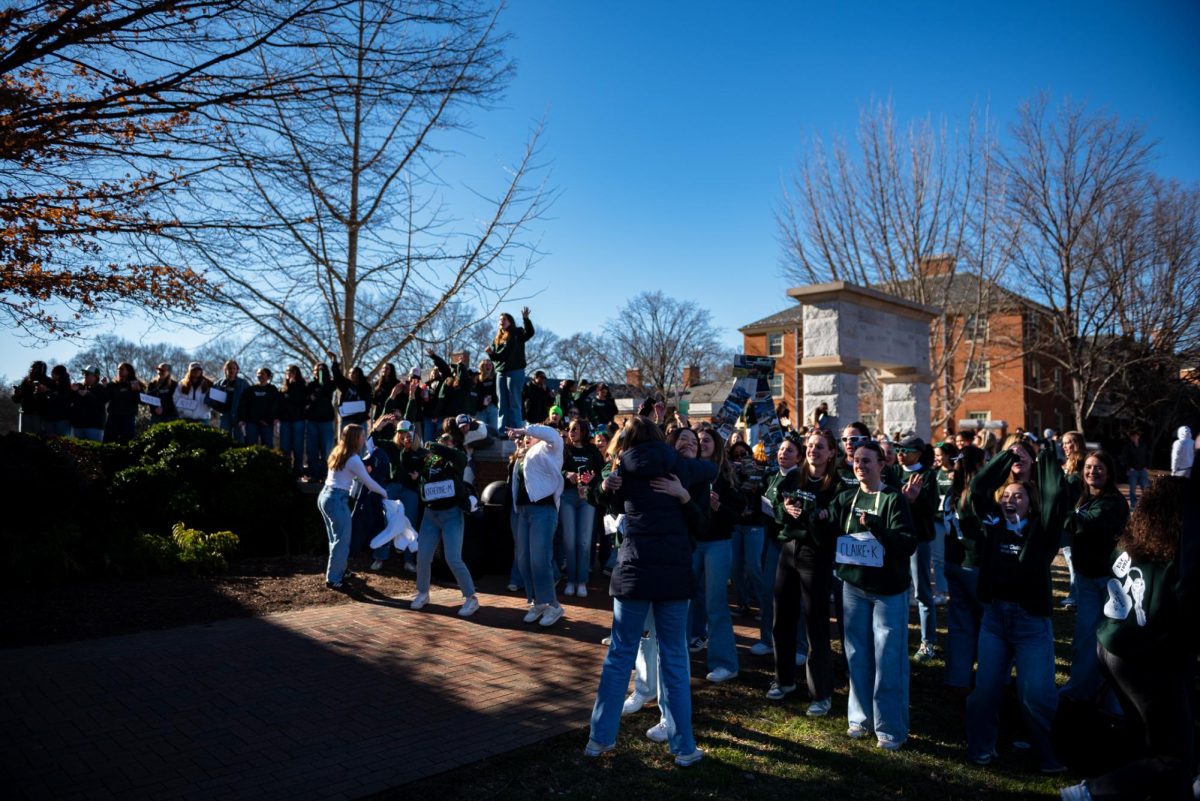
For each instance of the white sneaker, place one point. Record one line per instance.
(512, 588)
(819, 709)
(687, 760)
(410, 567)
(469, 607)
(419, 601)
(580, 591)
(761, 649)
(570, 590)
(801, 659)
(634, 703)
(658, 732)
(551, 616)
(606, 641)
(535, 611)
(377, 565)
(721, 674)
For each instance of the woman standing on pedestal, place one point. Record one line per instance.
(508, 355)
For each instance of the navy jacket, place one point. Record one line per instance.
(654, 561)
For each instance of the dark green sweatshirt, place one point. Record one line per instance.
(890, 521)
(924, 507)
(510, 355)
(1014, 565)
(809, 530)
(1094, 527)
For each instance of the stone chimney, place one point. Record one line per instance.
(937, 264)
(691, 375)
(633, 376)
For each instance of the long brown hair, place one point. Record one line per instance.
(348, 445)
(719, 457)
(1155, 524)
(502, 334)
(827, 480)
(1110, 478)
(637, 430)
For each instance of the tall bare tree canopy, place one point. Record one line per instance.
(660, 335)
(338, 238)
(873, 211)
(98, 102)
(1111, 250)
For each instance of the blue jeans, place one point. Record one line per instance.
(260, 434)
(962, 625)
(446, 526)
(710, 565)
(490, 417)
(768, 564)
(1009, 633)
(229, 425)
(335, 510)
(318, 436)
(919, 567)
(674, 692)
(747, 546)
(56, 428)
(1086, 679)
(509, 386)
(1137, 478)
(514, 575)
(577, 516)
(430, 430)
(877, 653)
(90, 434)
(937, 556)
(28, 423)
(535, 551)
(291, 442)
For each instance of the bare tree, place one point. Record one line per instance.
(659, 336)
(875, 212)
(582, 355)
(338, 239)
(105, 107)
(1077, 195)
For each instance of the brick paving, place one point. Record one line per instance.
(327, 702)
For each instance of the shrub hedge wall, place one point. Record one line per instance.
(84, 509)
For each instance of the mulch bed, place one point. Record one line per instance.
(41, 616)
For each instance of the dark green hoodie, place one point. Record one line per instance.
(890, 522)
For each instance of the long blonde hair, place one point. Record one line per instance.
(349, 445)
(1075, 461)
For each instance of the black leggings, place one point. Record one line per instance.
(1157, 702)
(803, 577)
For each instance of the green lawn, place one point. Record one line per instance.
(762, 750)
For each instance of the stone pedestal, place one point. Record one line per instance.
(906, 406)
(838, 390)
(846, 329)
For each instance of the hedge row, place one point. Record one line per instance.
(85, 509)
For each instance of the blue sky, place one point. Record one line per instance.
(670, 127)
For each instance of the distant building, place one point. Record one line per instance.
(1005, 384)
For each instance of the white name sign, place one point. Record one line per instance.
(859, 549)
(439, 490)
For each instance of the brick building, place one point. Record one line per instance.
(992, 377)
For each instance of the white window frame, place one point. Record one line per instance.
(982, 417)
(777, 385)
(771, 351)
(971, 371)
(971, 332)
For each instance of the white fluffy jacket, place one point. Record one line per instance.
(1183, 452)
(543, 465)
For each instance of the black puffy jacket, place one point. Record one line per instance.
(654, 561)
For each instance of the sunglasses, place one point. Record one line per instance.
(855, 440)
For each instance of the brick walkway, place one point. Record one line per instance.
(334, 702)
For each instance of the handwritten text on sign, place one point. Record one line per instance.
(859, 549)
